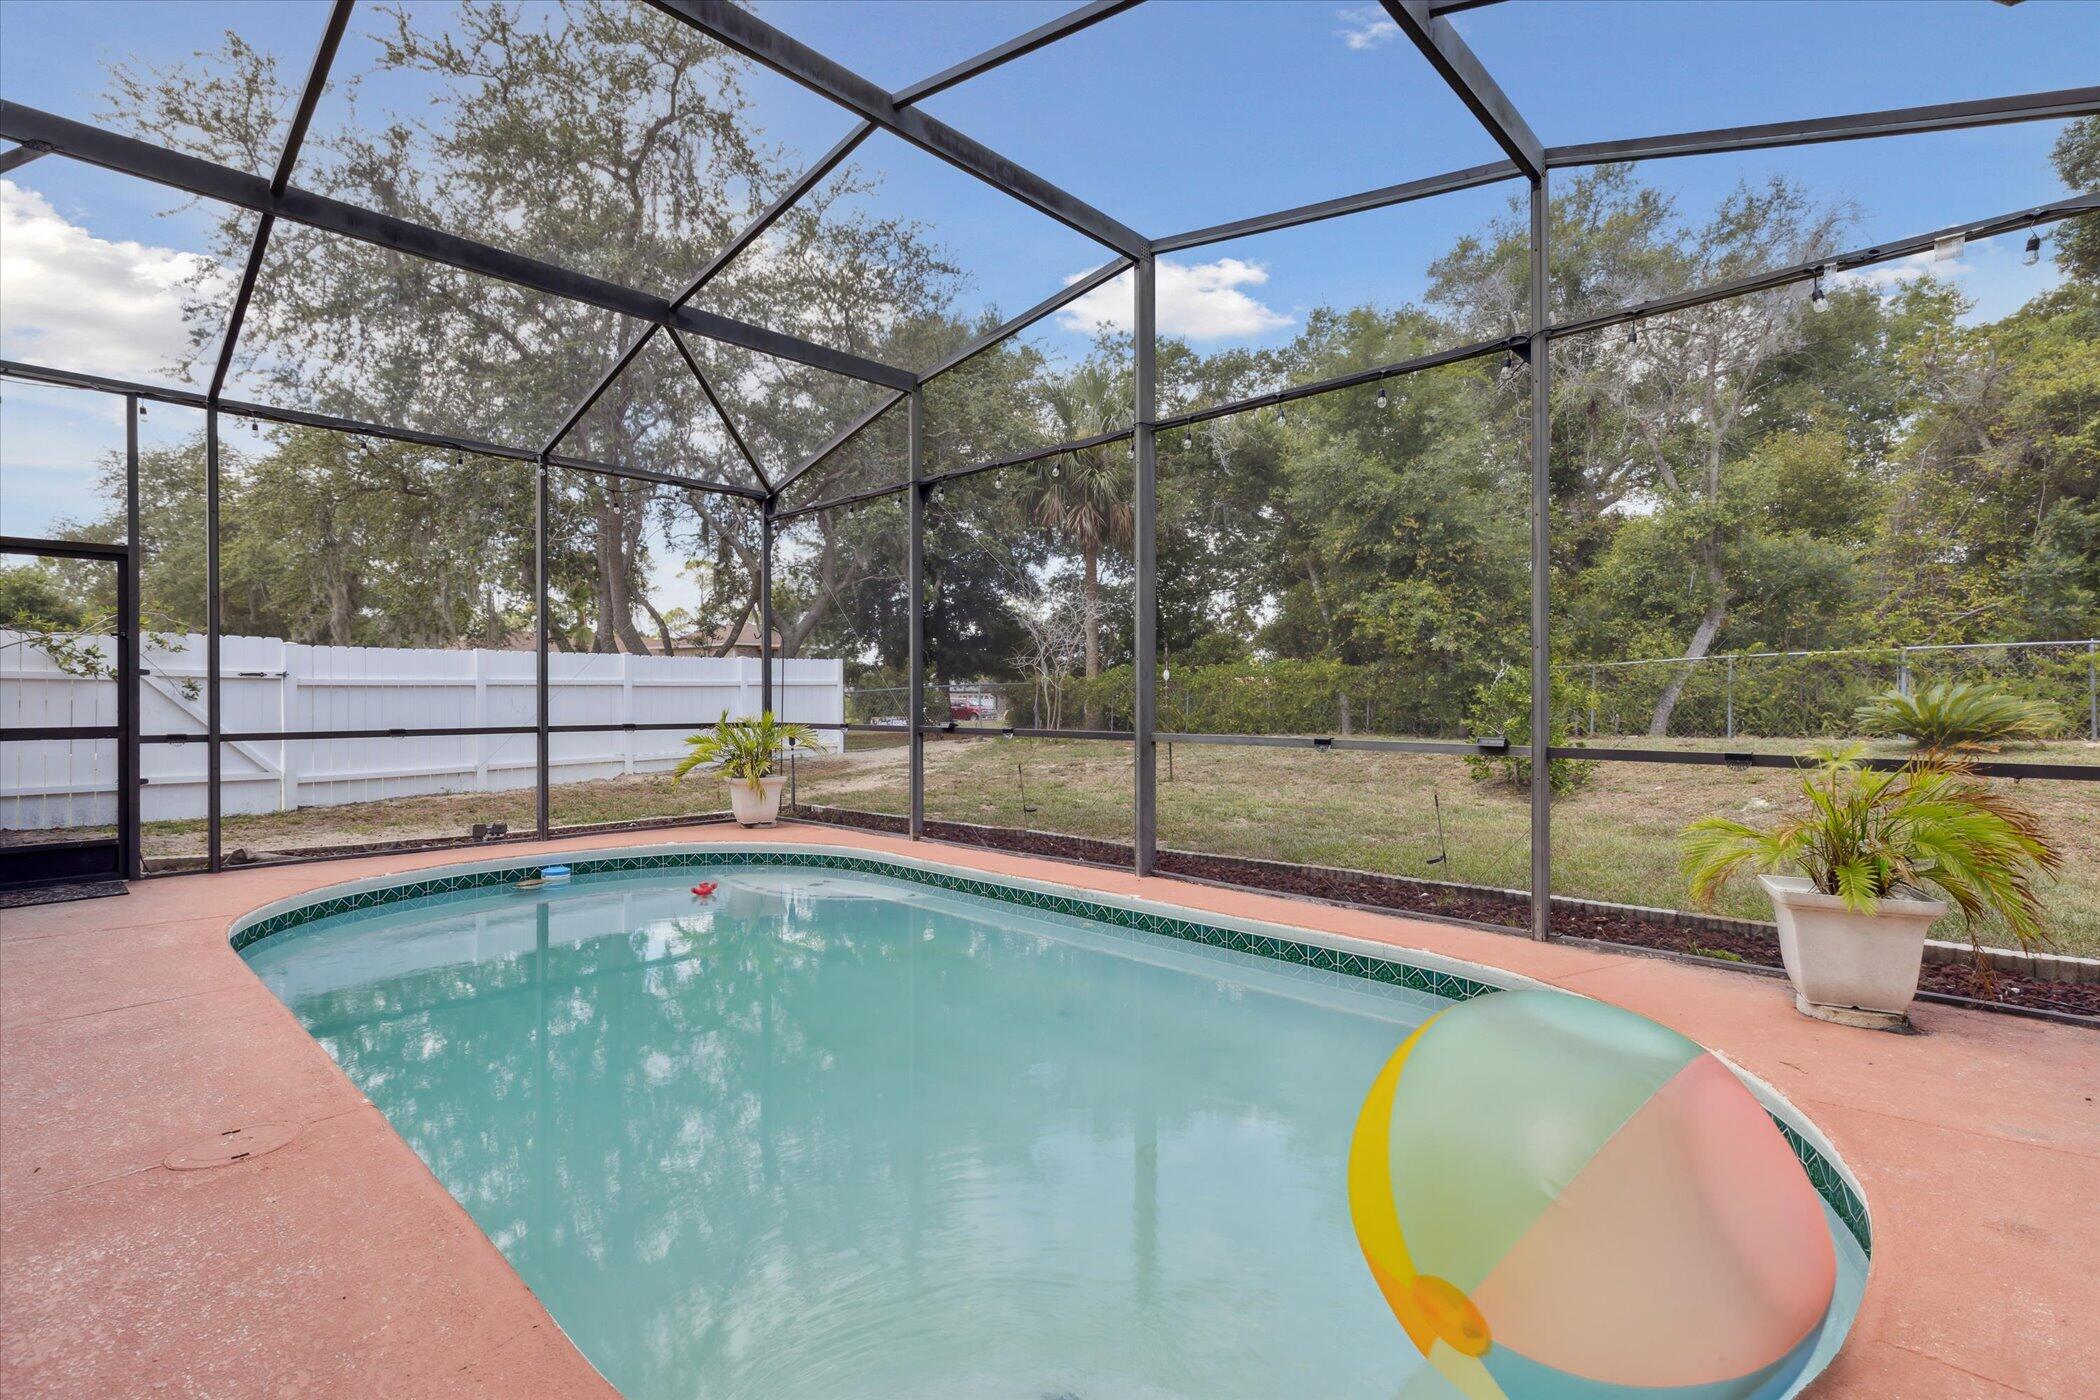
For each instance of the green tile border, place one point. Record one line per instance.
(1829, 1182)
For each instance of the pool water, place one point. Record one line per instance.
(845, 1135)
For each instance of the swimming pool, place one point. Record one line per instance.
(849, 1128)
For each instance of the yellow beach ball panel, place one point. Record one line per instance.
(1548, 1187)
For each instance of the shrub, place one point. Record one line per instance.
(1958, 717)
(1503, 706)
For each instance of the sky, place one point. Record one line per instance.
(1178, 114)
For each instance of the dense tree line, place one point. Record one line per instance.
(1756, 474)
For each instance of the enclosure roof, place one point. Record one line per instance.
(1491, 139)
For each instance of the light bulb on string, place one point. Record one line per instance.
(1382, 401)
(2033, 253)
(1633, 333)
(1817, 297)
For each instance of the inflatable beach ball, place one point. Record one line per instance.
(1560, 1198)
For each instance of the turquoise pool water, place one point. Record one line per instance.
(834, 1134)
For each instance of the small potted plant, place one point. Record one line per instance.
(1854, 877)
(746, 751)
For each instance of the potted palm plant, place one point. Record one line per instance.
(746, 751)
(1853, 877)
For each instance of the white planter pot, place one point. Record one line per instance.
(1853, 968)
(755, 808)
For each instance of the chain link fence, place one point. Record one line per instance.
(1795, 695)
(1813, 694)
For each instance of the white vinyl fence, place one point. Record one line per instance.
(268, 685)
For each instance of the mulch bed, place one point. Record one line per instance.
(25, 896)
(1760, 946)
(1723, 940)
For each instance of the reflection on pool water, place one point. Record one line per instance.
(843, 1135)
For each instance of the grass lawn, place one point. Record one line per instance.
(1615, 839)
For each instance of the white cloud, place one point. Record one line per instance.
(75, 301)
(1368, 27)
(1198, 301)
(1888, 276)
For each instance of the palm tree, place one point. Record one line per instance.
(1084, 497)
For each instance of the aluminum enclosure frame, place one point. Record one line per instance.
(1424, 22)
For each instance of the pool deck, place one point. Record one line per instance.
(338, 1265)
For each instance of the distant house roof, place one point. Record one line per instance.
(711, 641)
(747, 636)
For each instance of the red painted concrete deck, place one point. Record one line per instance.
(339, 1265)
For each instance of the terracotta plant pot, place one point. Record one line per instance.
(755, 808)
(1852, 968)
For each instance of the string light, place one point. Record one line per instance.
(1633, 333)
(1817, 297)
(1188, 438)
(2033, 254)
(1382, 401)
(1282, 418)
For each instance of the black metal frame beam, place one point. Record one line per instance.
(745, 237)
(1020, 46)
(1721, 758)
(1539, 720)
(130, 775)
(743, 448)
(1006, 330)
(1470, 178)
(1483, 96)
(840, 502)
(1144, 505)
(1013, 326)
(300, 418)
(19, 156)
(839, 439)
(287, 160)
(915, 599)
(1034, 454)
(456, 731)
(1434, 359)
(954, 729)
(1328, 741)
(1848, 261)
(745, 33)
(203, 178)
(1896, 121)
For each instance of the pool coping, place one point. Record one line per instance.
(1419, 970)
(130, 1027)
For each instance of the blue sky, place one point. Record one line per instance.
(1180, 113)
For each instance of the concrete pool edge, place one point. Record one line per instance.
(1420, 970)
(134, 1018)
